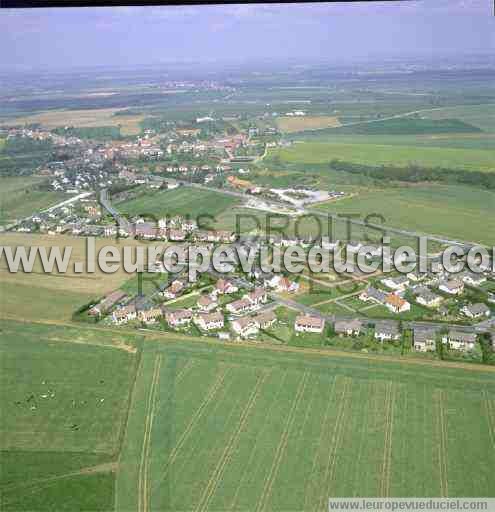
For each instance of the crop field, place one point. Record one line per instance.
(453, 211)
(227, 429)
(318, 153)
(90, 118)
(181, 201)
(64, 394)
(19, 198)
(299, 124)
(54, 295)
(481, 116)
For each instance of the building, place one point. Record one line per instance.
(245, 326)
(224, 287)
(373, 295)
(239, 306)
(473, 279)
(348, 327)
(478, 310)
(174, 290)
(309, 323)
(179, 317)
(452, 287)
(457, 340)
(424, 340)
(107, 303)
(257, 297)
(429, 299)
(149, 316)
(399, 283)
(124, 314)
(284, 284)
(209, 321)
(207, 303)
(265, 319)
(397, 304)
(387, 331)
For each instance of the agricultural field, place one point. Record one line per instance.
(64, 394)
(90, 118)
(482, 115)
(453, 211)
(20, 197)
(224, 428)
(319, 153)
(299, 124)
(181, 201)
(54, 295)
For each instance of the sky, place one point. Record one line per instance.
(59, 39)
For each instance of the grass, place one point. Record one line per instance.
(63, 394)
(181, 201)
(229, 429)
(20, 198)
(453, 211)
(298, 124)
(318, 153)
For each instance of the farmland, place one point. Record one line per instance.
(64, 395)
(20, 197)
(91, 118)
(376, 154)
(452, 211)
(182, 201)
(228, 429)
(299, 124)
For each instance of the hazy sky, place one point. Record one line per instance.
(63, 38)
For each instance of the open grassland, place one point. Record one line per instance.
(91, 118)
(319, 153)
(20, 198)
(453, 211)
(64, 395)
(227, 429)
(55, 295)
(299, 124)
(482, 116)
(181, 201)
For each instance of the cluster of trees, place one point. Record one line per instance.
(415, 173)
(22, 155)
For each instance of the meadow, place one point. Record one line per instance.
(181, 201)
(63, 393)
(20, 197)
(223, 428)
(298, 124)
(377, 154)
(450, 210)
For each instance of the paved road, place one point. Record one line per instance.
(105, 202)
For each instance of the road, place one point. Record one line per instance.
(105, 202)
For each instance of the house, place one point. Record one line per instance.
(452, 287)
(309, 323)
(257, 297)
(387, 331)
(265, 319)
(174, 290)
(457, 340)
(145, 230)
(207, 303)
(429, 299)
(224, 287)
(176, 235)
(396, 283)
(397, 304)
(416, 276)
(150, 315)
(124, 314)
(245, 326)
(476, 310)
(209, 321)
(348, 327)
(424, 340)
(179, 317)
(373, 295)
(239, 306)
(107, 303)
(286, 285)
(473, 279)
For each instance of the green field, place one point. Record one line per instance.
(482, 116)
(453, 211)
(19, 198)
(64, 395)
(319, 153)
(226, 428)
(181, 201)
